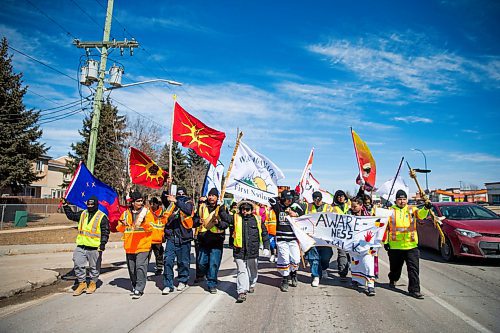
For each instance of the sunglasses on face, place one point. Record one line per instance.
(246, 209)
(139, 200)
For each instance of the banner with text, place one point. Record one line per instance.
(354, 234)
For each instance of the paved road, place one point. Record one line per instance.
(460, 297)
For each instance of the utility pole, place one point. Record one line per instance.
(104, 45)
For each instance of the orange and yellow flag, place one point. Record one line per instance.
(366, 162)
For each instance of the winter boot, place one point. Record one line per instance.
(293, 279)
(92, 287)
(82, 286)
(284, 284)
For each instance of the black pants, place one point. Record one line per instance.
(199, 273)
(396, 260)
(158, 250)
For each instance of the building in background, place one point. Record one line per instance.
(459, 195)
(493, 190)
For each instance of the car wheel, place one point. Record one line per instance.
(446, 250)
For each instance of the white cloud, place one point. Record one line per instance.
(475, 157)
(413, 119)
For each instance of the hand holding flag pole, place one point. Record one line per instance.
(210, 222)
(435, 219)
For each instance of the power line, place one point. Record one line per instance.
(63, 116)
(50, 18)
(42, 63)
(140, 114)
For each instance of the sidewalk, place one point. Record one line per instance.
(52, 227)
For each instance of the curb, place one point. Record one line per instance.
(46, 278)
(11, 250)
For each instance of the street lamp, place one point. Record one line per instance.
(426, 171)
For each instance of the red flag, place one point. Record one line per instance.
(144, 171)
(192, 133)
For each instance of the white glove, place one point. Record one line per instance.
(266, 253)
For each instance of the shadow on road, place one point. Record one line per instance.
(434, 255)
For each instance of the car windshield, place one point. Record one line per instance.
(467, 212)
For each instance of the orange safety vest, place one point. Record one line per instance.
(270, 221)
(158, 226)
(186, 220)
(136, 239)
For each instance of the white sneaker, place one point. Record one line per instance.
(325, 274)
(165, 291)
(315, 282)
(181, 286)
(272, 258)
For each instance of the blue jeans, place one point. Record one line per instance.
(209, 263)
(181, 252)
(319, 259)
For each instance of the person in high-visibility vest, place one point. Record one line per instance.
(401, 242)
(93, 234)
(135, 223)
(318, 256)
(158, 235)
(178, 236)
(270, 224)
(363, 266)
(341, 206)
(211, 241)
(249, 236)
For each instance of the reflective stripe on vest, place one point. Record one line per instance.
(238, 230)
(89, 232)
(411, 229)
(157, 224)
(204, 214)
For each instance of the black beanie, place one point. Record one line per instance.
(213, 191)
(317, 194)
(135, 196)
(401, 194)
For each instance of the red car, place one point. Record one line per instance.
(470, 230)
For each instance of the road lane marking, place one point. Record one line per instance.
(471, 322)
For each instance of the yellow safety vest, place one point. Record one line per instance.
(89, 232)
(238, 230)
(402, 227)
(204, 214)
(311, 208)
(338, 210)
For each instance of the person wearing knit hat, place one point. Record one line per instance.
(211, 235)
(401, 242)
(341, 206)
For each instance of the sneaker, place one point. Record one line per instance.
(132, 292)
(82, 287)
(392, 284)
(272, 258)
(416, 294)
(325, 274)
(354, 284)
(167, 291)
(315, 281)
(137, 294)
(370, 291)
(251, 290)
(181, 286)
(284, 284)
(293, 279)
(212, 290)
(241, 298)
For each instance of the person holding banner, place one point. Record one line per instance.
(286, 241)
(363, 266)
(341, 206)
(401, 242)
(211, 241)
(178, 235)
(249, 236)
(318, 256)
(93, 234)
(135, 223)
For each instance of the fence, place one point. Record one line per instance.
(36, 212)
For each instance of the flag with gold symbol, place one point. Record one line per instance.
(192, 133)
(144, 171)
(366, 162)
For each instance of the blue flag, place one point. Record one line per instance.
(213, 178)
(84, 185)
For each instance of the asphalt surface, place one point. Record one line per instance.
(460, 297)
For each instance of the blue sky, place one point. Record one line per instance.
(421, 74)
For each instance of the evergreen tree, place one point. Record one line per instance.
(19, 132)
(179, 163)
(198, 167)
(110, 162)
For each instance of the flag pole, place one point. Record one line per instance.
(394, 181)
(210, 223)
(171, 143)
(304, 171)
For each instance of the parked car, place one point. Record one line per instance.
(470, 231)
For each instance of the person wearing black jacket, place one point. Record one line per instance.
(249, 235)
(211, 240)
(93, 234)
(178, 236)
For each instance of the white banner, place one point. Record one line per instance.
(311, 185)
(213, 178)
(354, 234)
(253, 176)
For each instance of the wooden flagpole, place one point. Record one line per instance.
(171, 143)
(210, 223)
